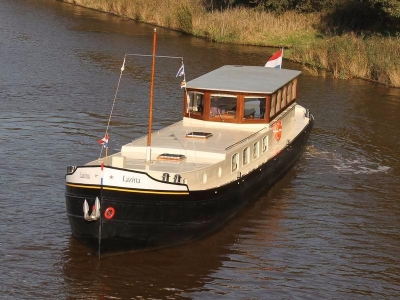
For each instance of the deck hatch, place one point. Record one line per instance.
(199, 135)
(171, 157)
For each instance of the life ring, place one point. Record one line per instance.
(278, 130)
(109, 213)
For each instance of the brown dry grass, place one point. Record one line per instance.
(242, 26)
(345, 56)
(349, 56)
(159, 12)
(252, 27)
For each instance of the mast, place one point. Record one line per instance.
(148, 150)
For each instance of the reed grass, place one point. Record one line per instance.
(375, 58)
(347, 56)
(239, 25)
(252, 27)
(163, 13)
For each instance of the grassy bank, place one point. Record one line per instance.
(346, 56)
(374, 58)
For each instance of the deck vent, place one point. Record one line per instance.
(199, 135)
(171, 157)
(177, 178)
(165, 177)
(71, 169)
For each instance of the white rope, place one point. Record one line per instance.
(112, 107)
(160, 56)
(119, 81)
(191, 129)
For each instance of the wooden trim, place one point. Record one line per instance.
(228, 118)
(268, 108)
(206, 106)
(240, 108)
(185, 104)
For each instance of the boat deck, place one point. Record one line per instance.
(198, 152)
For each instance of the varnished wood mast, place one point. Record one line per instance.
(148, 155)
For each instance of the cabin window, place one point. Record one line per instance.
(235, 162)
(264, 144)
(289, 93)
(254, 107)
(294, 89)
(278, 101)
(273, 103)
(223, 105)
(283, 104)
(256, 151)
(246, 156)
(195, 103)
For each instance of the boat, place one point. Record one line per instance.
(241, 131)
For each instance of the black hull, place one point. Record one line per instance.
(145, 222)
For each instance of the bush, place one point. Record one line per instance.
(184, 17)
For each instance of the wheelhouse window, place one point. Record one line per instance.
(278, 101)
(289, 93)
(254, 107)
(246, 155)
(195, 103)
(273, 104)
(283, 103)
(223, 105)
(294, 89)
(235, 162)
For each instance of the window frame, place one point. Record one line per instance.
(246, 156)
(256, 150)
(265, 143)
(235, 162)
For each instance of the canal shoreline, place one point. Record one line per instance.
(334, 216)
(345, 56)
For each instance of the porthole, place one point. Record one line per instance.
(265, 143)
(256, 150)
(235, 162)
(204, 177)
(246, 155)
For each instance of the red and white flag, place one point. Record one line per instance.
(275, 60)
(104, 141)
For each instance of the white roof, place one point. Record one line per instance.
(248, 79)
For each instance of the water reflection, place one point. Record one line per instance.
(329, 229)
(159, 274)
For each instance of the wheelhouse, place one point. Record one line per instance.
(240, 94)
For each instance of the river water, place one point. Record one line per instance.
(328, 229)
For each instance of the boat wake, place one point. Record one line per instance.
(346, 165)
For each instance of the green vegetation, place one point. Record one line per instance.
(347, 56)
(350, 38)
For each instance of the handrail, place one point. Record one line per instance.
(143, 137)
(283, 114)
(245, 139)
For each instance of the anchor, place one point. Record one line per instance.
(95, 213)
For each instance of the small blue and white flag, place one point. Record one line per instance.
(181, 71)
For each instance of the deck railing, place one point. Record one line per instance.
(245, 139)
